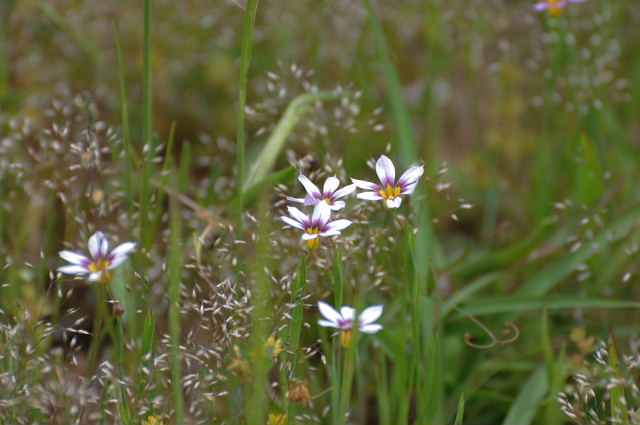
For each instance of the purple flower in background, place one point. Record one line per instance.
(345, 318)
(389, 190)
(554, 6)
(330, 193)
(101, 261)
(316, 227)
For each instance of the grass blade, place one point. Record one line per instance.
(245, 62)
(524, 409)
(278, 138)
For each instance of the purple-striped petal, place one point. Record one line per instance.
(347, 190)
(330, 185)
(291, 222)
(329, 313)
(362, 184)
(339, 224)
(74, 269)
(74, 258)
(321, 214)
(298, 215)
(311, 188)
(386, 171)
(369, 196)
(410, 176)
(370, 314)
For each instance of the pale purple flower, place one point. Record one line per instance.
(389, 190)
(554, 6)
(345, 318)
(100, 261)
(329, 194)
(316, 227)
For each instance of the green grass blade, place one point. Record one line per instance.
(516, 303)
(276, 142)
(460, 411)
(406, 143)
(619, 413)
(174, 270)
(338, 278)
(524, 409)
(126, 130)
(147, 126)
(245, 62)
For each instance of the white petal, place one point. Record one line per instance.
(327, 324)
(94, 277)
(371, 329)
(347, 190)
(337, 205)
(321, 214)
(291, 222)
(393, 203)
(73, 269)
(309, 236)
(339, 224)
(408, 190)
(329, 312)
(311, 188)
(365, 185)
(348, 312)
(369, 196)
(331, 184)
(120, 253)
(96, 243)
(74, 257)
(330, 233)
(386, 171)
(370, 314)
(298, 215)
(299, 200)
(411, 175)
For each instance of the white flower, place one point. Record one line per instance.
(101, 261)
(316, 227)
(389, 190)
(344, 320)
(329, 194)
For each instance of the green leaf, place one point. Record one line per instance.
(524, 409)
(515, 303)
(276, 142)
(460, 411)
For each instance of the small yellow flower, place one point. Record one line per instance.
(277, 419)
(153, 420)
(275, 345)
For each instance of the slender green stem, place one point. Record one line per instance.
(245, 61)
(175, 269)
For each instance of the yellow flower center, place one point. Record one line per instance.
(345, 339)
(101, 266)
(313, 243)
(554, 10)
(390, 192)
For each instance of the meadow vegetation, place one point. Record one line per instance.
(383, 212)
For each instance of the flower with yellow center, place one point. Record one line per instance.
(554, 6)
(101, 260)
(329, 194)
(316, 227)
(345, 318)
(389, 190)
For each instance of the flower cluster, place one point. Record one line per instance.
(390, 191)
(328, 200)
(554, 6)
